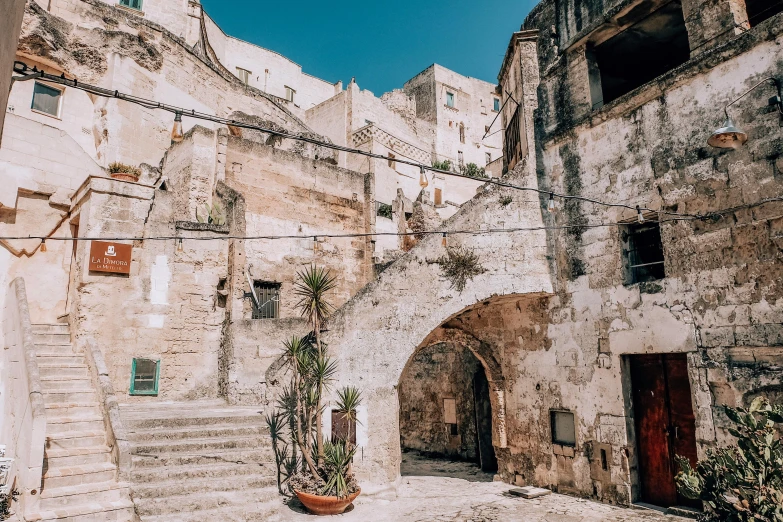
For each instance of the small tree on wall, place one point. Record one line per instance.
(305, 462)
(744, 482)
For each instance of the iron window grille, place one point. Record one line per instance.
(267, 299)
(145, 375)
(513, 139)
(644, 254)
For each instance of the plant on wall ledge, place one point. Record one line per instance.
(472, 170)
(744, 482)
(124, 172)
(318, 472)
(213, 215)
(460, 265)
(442, 165)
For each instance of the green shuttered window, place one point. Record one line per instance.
(144, 377)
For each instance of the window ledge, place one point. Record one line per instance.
(137, 12)
(42, 113)
(206, 227)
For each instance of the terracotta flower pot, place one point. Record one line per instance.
(326, 505)
(124, 176)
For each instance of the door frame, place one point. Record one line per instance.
(632, 447)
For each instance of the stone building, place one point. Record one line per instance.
(592, 346)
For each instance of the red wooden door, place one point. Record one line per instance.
(665, 424)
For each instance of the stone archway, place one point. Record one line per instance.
(452, 408)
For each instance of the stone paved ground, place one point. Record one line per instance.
(427, 494)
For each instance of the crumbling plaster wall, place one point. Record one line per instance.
(721, 300)
(437, 372)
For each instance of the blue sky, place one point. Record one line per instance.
(382, 44)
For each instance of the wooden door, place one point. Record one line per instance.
(665, 424)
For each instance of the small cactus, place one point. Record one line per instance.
(214, 215)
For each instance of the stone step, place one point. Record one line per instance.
(73, 476)
(51, 328)
(52, 339)
(69, 396)
(212, 431)
(72, 409)
(217, 469)
(196, 445)
(50, 357)
(133, 423)
(66, 383)
(172, 460)
(176, 487)
(58, 369)
(68, 457)
(203, 500)
(76, 439)
(67, 496)
(264, 511)
(116, 511)
(59, 425)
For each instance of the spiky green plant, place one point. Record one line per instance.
(313, 287)
(276, 424)
(742, 483)
(337, 459)
(214, 214)
(348, 401)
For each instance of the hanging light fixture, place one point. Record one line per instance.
(43, 245)
(444, 242)
(729, 136)
(180, 247)
(176, 130)
(423, 177)
(551, 205)
(639, 214)
(315, 244)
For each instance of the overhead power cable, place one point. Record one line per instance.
(34, 73)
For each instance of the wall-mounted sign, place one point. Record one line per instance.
(110, 257)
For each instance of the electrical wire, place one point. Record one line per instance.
(713, 216)
(22, 68)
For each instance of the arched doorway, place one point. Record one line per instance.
(445, 406)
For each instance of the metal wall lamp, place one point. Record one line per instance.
(729, 136)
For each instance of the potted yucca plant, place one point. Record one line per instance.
(318, 472)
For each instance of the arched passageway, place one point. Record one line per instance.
(446, 394)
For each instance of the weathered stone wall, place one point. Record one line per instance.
(438, 372)
(9, 28)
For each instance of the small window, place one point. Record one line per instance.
(488, 157)
(289, 94)
(460, 158)
(450, 99)
(133, 4)
(643, 252)
(47, 99)
(462, 133)
(144, 377)
(243, 75)
(563, 428)
(392, 163)
(268, 298)
(496, 105)
(438, 196)
(760, 10)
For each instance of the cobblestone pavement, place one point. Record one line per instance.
(471, 498)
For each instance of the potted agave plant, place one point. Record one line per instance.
(318, 472)
(124, 172)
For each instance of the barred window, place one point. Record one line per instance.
(267, 304)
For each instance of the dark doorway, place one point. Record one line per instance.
(665, 424)
(486, 451)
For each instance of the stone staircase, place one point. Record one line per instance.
(79, 479)
(200, 460)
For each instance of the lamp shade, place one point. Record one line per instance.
(727, 137)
